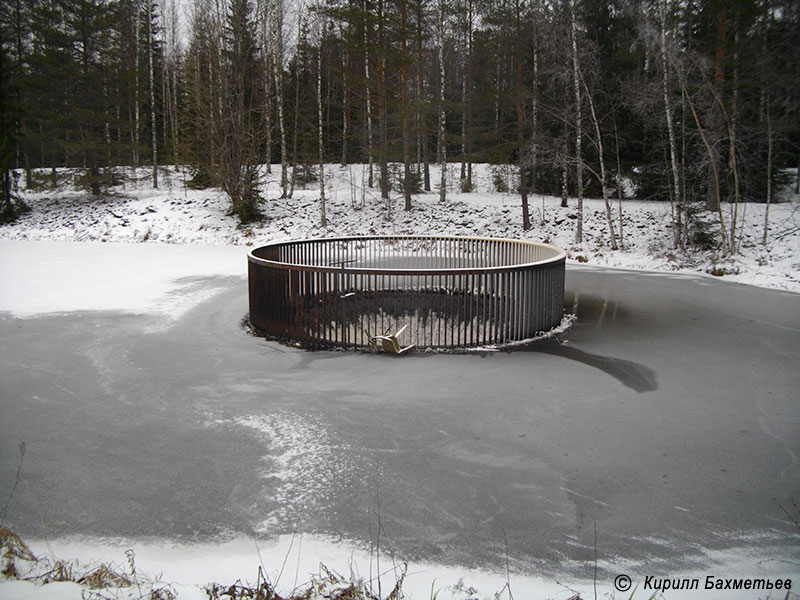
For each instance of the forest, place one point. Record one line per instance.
(691, 102)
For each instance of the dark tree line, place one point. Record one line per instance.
(695, 101)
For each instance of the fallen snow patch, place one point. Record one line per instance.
(47, 277)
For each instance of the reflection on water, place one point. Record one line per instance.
(594, 313)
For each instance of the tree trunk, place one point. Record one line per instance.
(535, 106)
(466, 98)
(523, 171)
(107, 130)
(173, 99)
(405, 108)
(603, 186)
(268, 58)
(382, 101)
(565, 166)
(154, 136)
(578, 130)
(463, 174)
(136, 128)
(422, 132)
(497, 99)
(277, 71)
(370, 158)
(345, 108)
(676, 179)
(165, 111)
(769, 170)
(618, 179)
(442, 114)
(715, 173)
(721, 40)
(733, 166)
(268, 112)
(321, 146)
(176, 139)
(732, 130)
(293, 180)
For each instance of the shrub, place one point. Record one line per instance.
(499, 180)
(305, 174)
(12, 209)
(201, 178)
(700, 229)
(414, 182)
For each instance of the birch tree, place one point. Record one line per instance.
(602, 175)
(405, 107)
(673, 153)
(265, 18)
(277, 14)
(321, 26)
(519, 100)
(440, 31)
(153, 128)
(382, 108)
(368, 93)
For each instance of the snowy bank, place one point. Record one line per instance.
(311, 568)
(135, 212)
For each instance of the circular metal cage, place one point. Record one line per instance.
(441, 292)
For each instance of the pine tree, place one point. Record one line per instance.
(241, 137)
(8, 137)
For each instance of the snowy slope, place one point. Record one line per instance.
(135, 212)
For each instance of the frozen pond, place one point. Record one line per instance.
(669, 420)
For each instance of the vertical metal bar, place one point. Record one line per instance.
(464, 283)
(527, 297)
(518, 304)
(471, 312)
(509, 301)
(495, 304)
(512, 303)
(482, 308)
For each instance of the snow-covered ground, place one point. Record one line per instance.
(159, 280)
(174, 214)
(294, 564)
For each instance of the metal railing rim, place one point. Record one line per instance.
(559, 255)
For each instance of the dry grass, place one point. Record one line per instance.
(328, 584)
(106, 580)
(105, 576)
(100, 582)
(12, 549)
(61, 570)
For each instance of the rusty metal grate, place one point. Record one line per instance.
(448, 292)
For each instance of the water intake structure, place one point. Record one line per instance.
(437, 292)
